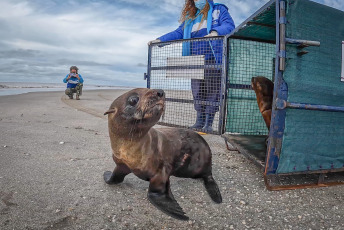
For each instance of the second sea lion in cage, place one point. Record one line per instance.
(264, 88)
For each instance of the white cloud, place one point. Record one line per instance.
(106, 39)
(339, 4)
(87, 35)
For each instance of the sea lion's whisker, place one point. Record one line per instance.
(163, 113)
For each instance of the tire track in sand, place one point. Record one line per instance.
(76, 105)
(103, 97)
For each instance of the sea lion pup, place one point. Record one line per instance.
(264, 89)
(155, 154)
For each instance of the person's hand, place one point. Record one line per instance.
(77, 76)
(154, 41)
(212, 34)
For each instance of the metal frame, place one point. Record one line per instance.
(280, 92)
(147, 75)
(342, 74)
(281, 104)
(224, 77)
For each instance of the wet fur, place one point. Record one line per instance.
(156, 154)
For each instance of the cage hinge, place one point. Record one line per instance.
(281, 104)
(145, 76)
(282, 54)
(283, 20)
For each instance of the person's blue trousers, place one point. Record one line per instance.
(206, 92)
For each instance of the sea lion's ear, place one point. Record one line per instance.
(112, 110)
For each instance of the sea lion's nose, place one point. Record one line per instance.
(160, 93)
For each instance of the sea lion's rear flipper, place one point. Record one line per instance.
(212, 189)
(161, 197)
(167, 205)
(117, 176)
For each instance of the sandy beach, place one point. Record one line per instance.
(53, 152)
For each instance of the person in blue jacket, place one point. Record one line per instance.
(74, 83)
(203, 18)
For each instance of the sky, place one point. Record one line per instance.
(106, 39)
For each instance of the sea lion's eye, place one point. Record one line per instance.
(133, 100)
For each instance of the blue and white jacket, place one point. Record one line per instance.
(222, 23)
(73, 81)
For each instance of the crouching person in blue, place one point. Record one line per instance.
(74, 83)
(204, 18)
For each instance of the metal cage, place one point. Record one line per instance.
(192, 73)
(306, 138)
(302, 55)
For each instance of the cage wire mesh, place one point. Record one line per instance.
(191, 74)
(246, 59)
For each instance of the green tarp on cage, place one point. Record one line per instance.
(313, 140)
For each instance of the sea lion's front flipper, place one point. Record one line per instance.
(118, 174)
(267, 117)
(160, 195)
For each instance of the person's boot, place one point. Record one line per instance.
(200, 120)
(70, 96)
(209, 119)
(77, 97)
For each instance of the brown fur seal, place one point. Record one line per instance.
(155, 154)
(264, 89)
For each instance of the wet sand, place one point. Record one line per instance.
(53, 152)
